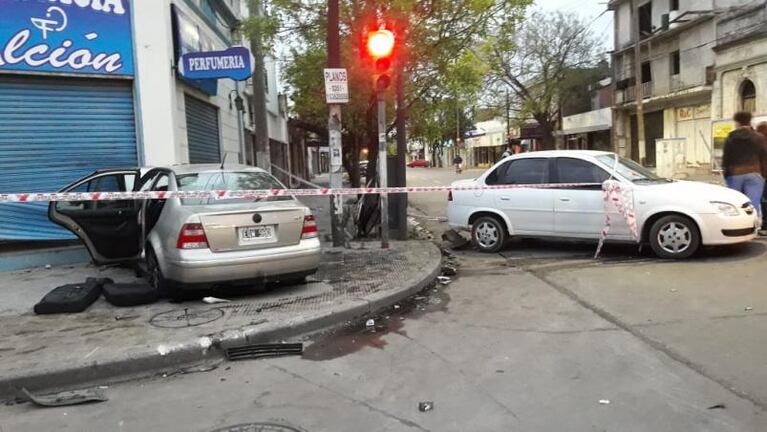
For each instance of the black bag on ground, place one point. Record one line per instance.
(130, 294)
(70, 298)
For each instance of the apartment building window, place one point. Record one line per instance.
(676, 64)
(748, 96)
(645, 20)
(646, 72)
(674, 5)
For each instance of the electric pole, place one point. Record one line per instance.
(258, 105)
(334, 129)
(638, 91)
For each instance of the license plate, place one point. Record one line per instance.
(260, 234)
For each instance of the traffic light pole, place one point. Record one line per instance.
(334, 130)
(382, 173)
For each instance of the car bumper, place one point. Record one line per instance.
(205, 267)
(722, 230)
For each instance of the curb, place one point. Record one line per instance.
(151, 362)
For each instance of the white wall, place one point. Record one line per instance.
(155, 81)
(623, 25)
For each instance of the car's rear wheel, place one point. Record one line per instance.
(156, 278)
(488, 234)
(674, 237)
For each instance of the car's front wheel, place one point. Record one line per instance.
(674, 237)
(488, 234)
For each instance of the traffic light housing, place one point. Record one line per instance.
(380, 46)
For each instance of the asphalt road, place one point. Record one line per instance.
(537, 338)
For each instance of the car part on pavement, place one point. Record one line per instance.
(249, 352)
(674, 237)
(70, 298)
(214, 300)
(130, 294)
(425, 406)
(66, 398)
(488, 234)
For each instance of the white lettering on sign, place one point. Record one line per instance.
(336, 86)
(109, 6)
(216, 63)
(40, 54)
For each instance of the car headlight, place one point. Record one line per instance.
(725, 209)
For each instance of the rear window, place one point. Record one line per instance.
(231, 181)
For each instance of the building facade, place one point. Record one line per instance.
(675, 75)
(94, 85)
(485, 144)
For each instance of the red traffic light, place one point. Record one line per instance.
(380, 43)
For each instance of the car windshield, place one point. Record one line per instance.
(629, 169)
(227, 180)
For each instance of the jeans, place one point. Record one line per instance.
(751, 185)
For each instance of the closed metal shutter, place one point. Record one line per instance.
(202, 131)
(52, 132)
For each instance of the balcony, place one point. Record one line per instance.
(629, 94)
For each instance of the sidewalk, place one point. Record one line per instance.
(106, 343)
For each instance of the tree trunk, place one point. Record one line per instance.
(352, 159)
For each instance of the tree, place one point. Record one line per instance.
(534, 59)
(436, 38)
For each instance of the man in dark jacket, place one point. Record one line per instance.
(744, 152)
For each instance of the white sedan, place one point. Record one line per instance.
(674, 217)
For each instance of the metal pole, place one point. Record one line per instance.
(400, 177)
(382, 175)
(241, 135)
(334, 130)
(638, 85)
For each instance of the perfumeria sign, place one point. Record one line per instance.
(66, 36)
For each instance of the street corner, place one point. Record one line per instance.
(105, 342)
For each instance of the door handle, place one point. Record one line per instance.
(565, 199)
(505, 198)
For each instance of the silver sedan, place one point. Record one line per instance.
(194, 243)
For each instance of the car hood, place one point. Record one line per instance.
(693, 189)
(465, 182)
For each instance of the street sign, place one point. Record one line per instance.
(235, 63)
(336, 86)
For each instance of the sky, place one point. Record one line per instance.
(588, 10)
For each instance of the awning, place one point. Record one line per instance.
(585, 129)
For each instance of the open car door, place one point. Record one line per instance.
(109, 229)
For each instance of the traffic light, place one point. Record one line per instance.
(380, 46)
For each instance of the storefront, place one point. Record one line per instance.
(587, 131)
(66, 102)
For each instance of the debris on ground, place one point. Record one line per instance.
(456, 240)
(215, 300)
(425, 406)
(449, 271)
(396, 307)
(69, 298)
(748, 309)
(370, 323)
(717, 406)
(47, 266)
(130, 294)
(258, 351)
(66, 398)
(444, 280)
(604, 401)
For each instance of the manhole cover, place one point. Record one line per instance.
(257, 427)
(181, 318)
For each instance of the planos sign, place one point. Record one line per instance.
(234, 63)
(66, 36)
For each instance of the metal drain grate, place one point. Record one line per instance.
(250, 352)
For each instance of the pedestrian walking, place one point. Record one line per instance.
(744, 154)
(761, 128)
(514, 147)
(458, 162)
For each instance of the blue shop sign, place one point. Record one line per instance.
(67, 36)
(234, 63)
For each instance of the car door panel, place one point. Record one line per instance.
(580, 210)
(530, 210)
(109, 229)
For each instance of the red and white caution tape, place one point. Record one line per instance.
(621, 198)
(247, 194)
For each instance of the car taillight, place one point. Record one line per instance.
(310, 230)
(192, 236)
(450, 195)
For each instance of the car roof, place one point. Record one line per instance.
(200, 168)
(562, 153)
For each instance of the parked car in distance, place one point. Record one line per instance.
(674, 217)
(419, 163)
(188, 243)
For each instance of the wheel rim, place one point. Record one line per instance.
(675, 237)
(487, 235)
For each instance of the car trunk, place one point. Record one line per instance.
(267, 226)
